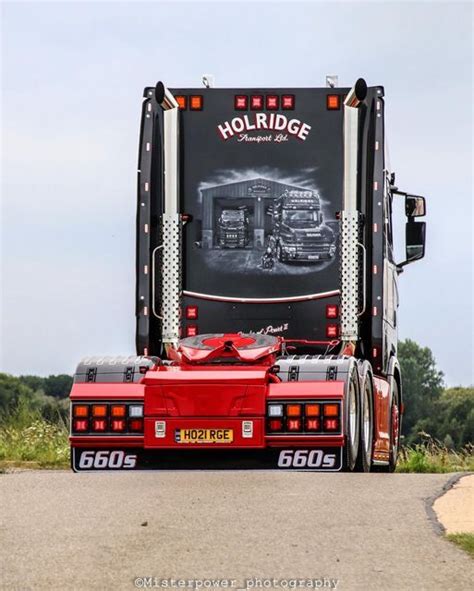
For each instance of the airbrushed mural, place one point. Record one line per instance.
(266, 224)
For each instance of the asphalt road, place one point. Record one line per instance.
(348, 531)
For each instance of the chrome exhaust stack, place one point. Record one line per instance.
(350, 221)
(171, 220)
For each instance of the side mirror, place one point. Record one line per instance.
(415, 238)
(415, 206)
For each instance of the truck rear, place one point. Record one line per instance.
(266, 289)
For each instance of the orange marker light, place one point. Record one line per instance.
(333, 102)
(80, 411)
(293, 410)
(312, 410)
(181, 100)
(99, 410)
(331, 410)
(196, 102)
(118, 410)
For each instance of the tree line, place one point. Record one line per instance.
(447, 414)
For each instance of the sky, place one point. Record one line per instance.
(72, 82)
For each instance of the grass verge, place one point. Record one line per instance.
(433, 457)
(29, 440)
(464, 541)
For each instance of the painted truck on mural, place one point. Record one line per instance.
(284, 365)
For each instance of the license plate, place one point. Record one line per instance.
(313, 257)
(204, 435)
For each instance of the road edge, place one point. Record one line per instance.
(429, 501)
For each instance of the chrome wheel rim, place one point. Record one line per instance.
(366, 422)
(352, 415)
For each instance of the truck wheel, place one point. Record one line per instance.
(352, 422)
(364, 459)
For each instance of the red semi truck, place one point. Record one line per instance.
(289, 365)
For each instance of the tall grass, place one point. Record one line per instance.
(434, 457)
(27, 438)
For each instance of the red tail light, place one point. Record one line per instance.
(275, 424)
(80, 425)
(191, 312)
(332, 331)
(136, 425)
(331, 424)
(332, 311)
(99, 425)
(191, 330)
(118, 425)
(293, 424)
(312, 424)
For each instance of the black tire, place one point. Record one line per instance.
(352, 422)
(366, 429)
(394, 432)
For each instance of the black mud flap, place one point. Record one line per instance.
(325, 459)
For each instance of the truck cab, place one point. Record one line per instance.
(299, 231)
(233, 228)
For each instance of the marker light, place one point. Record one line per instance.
(331, 424)
(275, 424)
(293, 410)
(333, 102)
(99, 410)
(275, 410)
(80, 410)
(241, 102)
(191, 312)
(136, 425)
(135, 410)
(272, 102)
(332, 331)
(293, 424)
(118, 410)
(181, 100)
(118, 425)
(99, 425)
(312, 410)
(191, 330)
(160, 429)
(80, 425)
(312, 424)
(288, 102)
(332, 311)
(247, 429)
(196, 102)
(331, 410)
(256, 102)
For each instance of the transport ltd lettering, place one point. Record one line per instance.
(260, 121)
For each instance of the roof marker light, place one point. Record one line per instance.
(256, 102)
(182, 101)
(196, 102)
(272, 102)
(288, 102)
(241, 102)
(333, 102)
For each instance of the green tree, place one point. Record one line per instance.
(422, 386)
(11, 390)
